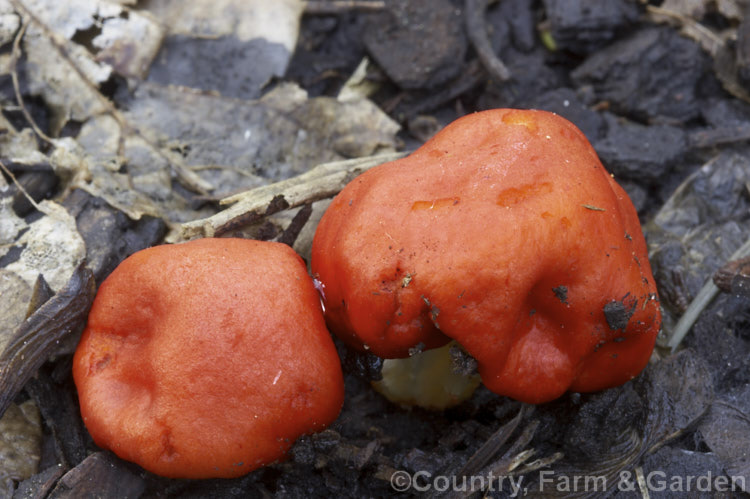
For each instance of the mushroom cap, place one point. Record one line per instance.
(505, 233)
(207, 358)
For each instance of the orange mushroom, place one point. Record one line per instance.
(207, 358)
(505, 233)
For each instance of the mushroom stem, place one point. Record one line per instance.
(426, 379)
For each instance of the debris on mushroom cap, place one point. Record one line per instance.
(207, 358)
(517, 241)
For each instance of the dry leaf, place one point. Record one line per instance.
(20, 442)
(233, 47)
(129, 42)
(66, 74)
(67, 94)
(277, 21)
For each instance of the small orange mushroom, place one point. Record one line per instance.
(505, 233)
(207, 358)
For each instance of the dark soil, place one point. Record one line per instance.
(655, 108)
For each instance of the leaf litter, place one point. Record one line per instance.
(164, 150)
(233, 149)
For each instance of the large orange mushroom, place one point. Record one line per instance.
(207, 359)
(505, 233)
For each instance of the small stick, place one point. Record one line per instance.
(701, 301)
(19, 185)
(17, 88)
(322, 182)
(477, 33)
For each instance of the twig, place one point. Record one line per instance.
(21, 188)
(539, 464)
(493, 444)
(323, 181)
(642, 485)
(512, 462)
(700, 302)
(477, 32)
(233, 169)
(712, 137)
(709, 40)
(738, 412)
(725, 64)
(17, 88)
(290, 234)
